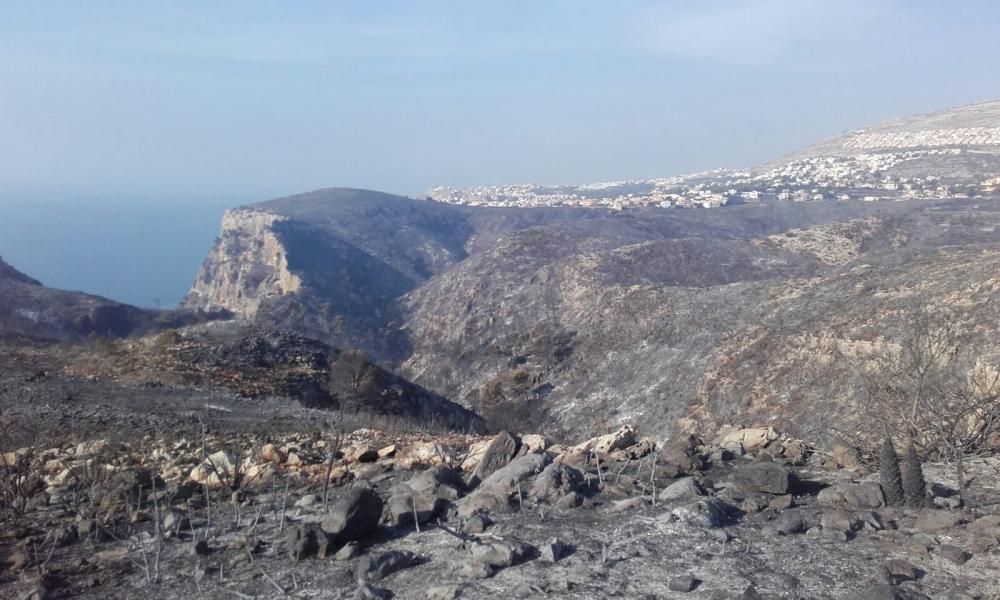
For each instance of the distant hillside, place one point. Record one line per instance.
(27, 308)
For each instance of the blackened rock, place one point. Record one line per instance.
(385, 564)
(766, 477)
(682, 584)
(354, 516)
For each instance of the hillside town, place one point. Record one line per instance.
(897, 166)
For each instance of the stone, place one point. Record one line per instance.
(953, 553)
(535, 443)
(477, 523)
(899, 570)
(497, 455)
(422, 454)
(843, 457)
(790, 522)
(628, 504)
(385, 564)
(553, 550)
(86, 528)
(837, 519)
(684, 583)
(443, 592)
(18, 560)
(474, 455)
(505, 481)
(751, 593)
(766, 477)
(354, 515)
(364, 454)
(387, 451)
(748, 440)
(708, 513)
(889, 592)
(482, 501)
(642, 448)
(271, 454)
(407, 508)
(619, 440)
(755, 503)
(308, 500)
(366, 591)
(174, 521)
(934, 521)
(348, 551)
(853, 496)
(871, 520)
(476, 570)
(783, 502)
(570, 500)
(684, 488)
(301, 541)
(501, 554)
(555, 481)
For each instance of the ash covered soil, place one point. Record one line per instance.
(116, 489)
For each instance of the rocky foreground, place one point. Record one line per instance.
(751, 514)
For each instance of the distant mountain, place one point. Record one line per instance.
(975, 127)
(570, 318)
(945, 154)
(9, 273)
(28, 308)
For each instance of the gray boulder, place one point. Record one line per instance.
(557, 480)
(764, 477)
(498, 454)
(854, 496)
(353, 516)
(684, 488)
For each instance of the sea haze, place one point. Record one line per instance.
(137, 251)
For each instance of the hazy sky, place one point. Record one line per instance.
(215, 103)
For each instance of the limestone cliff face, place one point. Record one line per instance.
(247, 265)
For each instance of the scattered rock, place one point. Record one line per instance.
(368, 592)
(301, 541)
(685, 583)
(557, 480)
(769, 478)
(443, 592)
(790, 522)
(837, 519)
(708, 513)
(501, 554)
(385, 564)
(780, 503)
(409, 507)
(898, 571)
(751, 593)
(348, 551)
(477, 523)
(308, 500)
(684, 488)
(354, 515)
(750, 440)
(553, 550)
(953, 553)
(853, 496)
(628, 504)
(933, 521)
(497, 455)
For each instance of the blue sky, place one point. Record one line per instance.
(173, 104)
